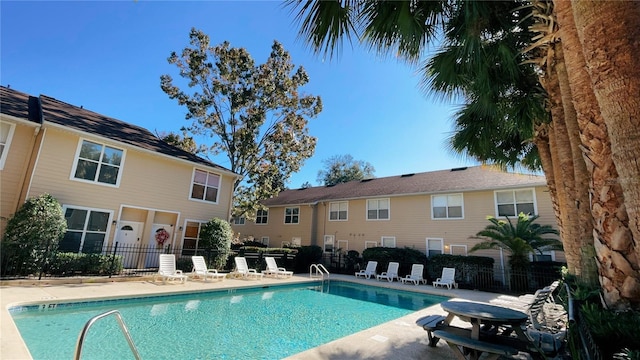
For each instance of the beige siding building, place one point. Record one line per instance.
(434, 212)
(116, 182)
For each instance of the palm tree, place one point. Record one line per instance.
(519, 240)
(581, 150)
(505, 119)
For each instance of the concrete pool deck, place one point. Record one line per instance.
(399, 338)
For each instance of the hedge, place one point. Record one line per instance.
(68, 264)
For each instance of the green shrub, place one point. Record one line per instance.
(32, 236)
(306, 256)
(613, 331)
(69, 264)
(471, 271)
(256, 244)
(405, 256)
(185, 263)
(215, 237)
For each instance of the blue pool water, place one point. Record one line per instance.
(265, 323)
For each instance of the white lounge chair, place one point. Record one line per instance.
(369, 271)
(523, 302)
(243, 270)
(447, 279)
(391, 273)
(274, 270)
(167, 269)
(416, 275)
(200, 269)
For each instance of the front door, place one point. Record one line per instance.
(129, 237)
(156, 248)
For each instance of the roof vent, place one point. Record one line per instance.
(365, 180)
(331, 185)
(459, 169)
(407, 175)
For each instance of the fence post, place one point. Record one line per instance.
(113, 258)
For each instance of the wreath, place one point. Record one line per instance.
(161, 236)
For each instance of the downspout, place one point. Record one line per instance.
(314, 223)
(36, 115)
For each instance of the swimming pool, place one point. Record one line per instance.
(264, 323)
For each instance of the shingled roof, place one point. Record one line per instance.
(444, 181)
(19, 105)
(58, 112)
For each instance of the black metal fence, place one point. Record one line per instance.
(127, 259)
(492, 279)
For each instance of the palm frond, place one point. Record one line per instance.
(324, 24)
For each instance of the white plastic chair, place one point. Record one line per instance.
(391, 273)
(243, 269)
(274, 270)
(416, 275)
(200, 269)
(447, 279)
(369, 271)
(167, 269)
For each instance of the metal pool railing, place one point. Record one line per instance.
(123, 327)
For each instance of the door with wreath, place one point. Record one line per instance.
(161, 238)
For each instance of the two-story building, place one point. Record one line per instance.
(434, 212)
(117, 182)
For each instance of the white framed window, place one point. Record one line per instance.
(514, 202)
(262, 216)
(388, 241)
(329, 243)
(238, 220)
(6, 134)
(370, 244)
(449, 206)
(338, 211)
(98, 163)
(343, 245)
(204, 186)
(191, 236)
(264, 240)
(86, 229)
(457, 249)
(292, 215)
(378, 209)
(434, 246)
(545, 256)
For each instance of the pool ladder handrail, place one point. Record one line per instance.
(319, 269)
(123, 327)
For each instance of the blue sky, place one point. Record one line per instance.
(108, 57)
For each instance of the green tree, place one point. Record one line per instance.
(343, 168)
(32, 235)
(216, 236)
(256, 115)
(519, 239)
(184, 142)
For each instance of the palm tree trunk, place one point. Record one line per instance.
(606, 196)
(609, 33)
(541, 140)
(563, 174)
(583, 221)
